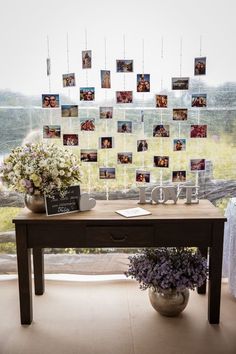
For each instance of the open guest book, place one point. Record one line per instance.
(132, 212)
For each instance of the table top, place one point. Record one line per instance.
(106, 210)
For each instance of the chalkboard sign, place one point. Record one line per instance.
(63, 205)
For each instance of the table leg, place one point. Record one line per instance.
(215, 270)
(24, 274)
(38, 271)
(202, 289)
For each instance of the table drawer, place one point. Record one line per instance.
(119, 236)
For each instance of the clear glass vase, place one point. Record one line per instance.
(35, 203)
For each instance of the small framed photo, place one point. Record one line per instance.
(88, 155)
(161, 161)
(143, 176)
(105, 79)
(180, 83)
(124, 66)
(198, 131)
(180, 114)
(50, 100)
(87, 124)
(200, 66)
(199, 100)
(161, 101)
(68, 80)
(142, 145)
(178, 176)
(68, 110)
(107, 173)
(51, 131)
(106, 142)
(143, 82)
(70, 139)
(87, 93)
(161, 131)
(197, 165)
(124, 157)
(179, 144)
(86, 59)
(105, 112)
(124, 126)
(124, 96)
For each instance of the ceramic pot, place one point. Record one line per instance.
(35, 203)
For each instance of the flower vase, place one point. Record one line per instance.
(35, 203)
(169, 302)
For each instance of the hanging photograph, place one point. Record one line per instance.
(107, 173)
(68, 80)
(124, 157)
(106, 142)
(180, 114)
(124, 96)
(88, 155)
(51, 131)
(70, 139)
(142, 145)
(50, 101)
(197, 164)
(161, 131)
(105, 112)
(105, 79)
(161, 101)
(142, 176)
(180, 83)
(200, 66)
(124, 66)
(87, 124)
(199, 100)
(124, 126)
(87, 93)
(143, 82)
(86, 59)
(68, 110)
(179, 144)
(198, 131)
(161, 161)
(178, 176)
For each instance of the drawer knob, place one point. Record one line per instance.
(116, 238)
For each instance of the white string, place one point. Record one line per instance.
(86, 45)
(124, 56)
(180, 65)
(200, 46)
(162, 57)
(105, 53)
(68, 61)
(49, 74)
(179, 129)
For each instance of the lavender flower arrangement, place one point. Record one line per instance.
(168, 268)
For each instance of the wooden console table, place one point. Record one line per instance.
(200, 225)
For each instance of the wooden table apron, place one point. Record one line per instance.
(200, 225)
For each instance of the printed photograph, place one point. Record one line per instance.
(200, 66)
(161, 161)
(180, 83)
(106, 142)
(180, 114)
(143, 82)
(197, 164)
(86, 59)
(106, 112)
(178, 176)
(70, 139)
(105, 79)
(87, 124)
(124, 66)
(107, 173)
(88, 155)
(68, 80)
(124, 126)
(161, 101)
(179, 144)
(142, 145)
(87, 93)
(124, 96)
(124, 157)
(161, 131)
(50, 101)
(198, 131)
(199, 100)
(51, 131)
(68, 110)
(142, 176)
